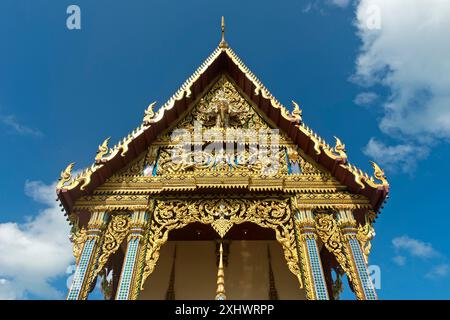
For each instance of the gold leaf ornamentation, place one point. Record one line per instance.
(149, 114)
(273, 213)
(379, 175)
(330, 233)
(66, 176)
(78, 240)
(102, 150)
(222, 226)
(340, 148)
(297, 112)
(305, 263)
(365, 234)
(115, 233)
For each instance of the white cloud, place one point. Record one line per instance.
(11, 122)
(423, 250)
(365, 98)
(307, 7)
(414, 247)
(341, 3)
(401, 157)
(34, 253)
(399, 260)
(438, 271)
(322, 6)
(410, 55)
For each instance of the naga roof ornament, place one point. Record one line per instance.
(107, 160)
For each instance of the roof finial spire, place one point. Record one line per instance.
(223, 43)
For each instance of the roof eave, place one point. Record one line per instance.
(136, 142)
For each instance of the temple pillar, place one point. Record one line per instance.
(129, 283)
(312, 270)
(82, 279)
(362, 283)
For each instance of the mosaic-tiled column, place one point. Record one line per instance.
(362, 283)
(128, 288)
(314, 279)
(85, 268)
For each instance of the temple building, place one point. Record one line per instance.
(222, 193)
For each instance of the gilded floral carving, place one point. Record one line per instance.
(274, 213)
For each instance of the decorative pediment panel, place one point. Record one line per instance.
(223, 135)
(229, 101)
(222, 107)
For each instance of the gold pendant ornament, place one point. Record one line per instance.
(220, 292)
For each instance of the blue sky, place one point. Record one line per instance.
(384, 92)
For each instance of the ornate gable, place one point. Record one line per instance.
(223, 95)
(222, 152)
(225, 111)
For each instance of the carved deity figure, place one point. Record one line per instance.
(222, 110)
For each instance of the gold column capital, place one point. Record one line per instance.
(97, 222)
(139, 221)
(304, 221)
(346, 221)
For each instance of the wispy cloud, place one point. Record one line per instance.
(10, 122)
(321, 6)
(399, 260)
(397, 158)
(439, 271)
(414, 247)
(410, 56)
(341, 3)
(365, 98)
(35, 252)
(307, 7)
(418, 249)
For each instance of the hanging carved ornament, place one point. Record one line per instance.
(330, 234)
(115, 233)
(221, 226)
(271, 213)
(223, 211)
(364, 235)
(78, 239)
